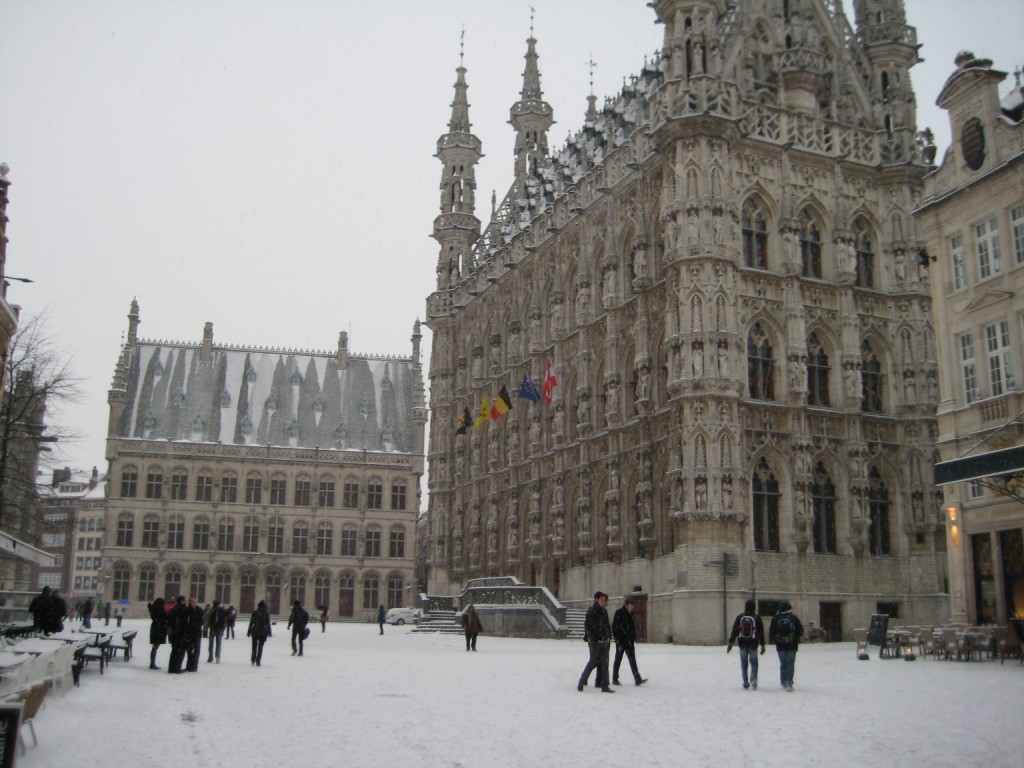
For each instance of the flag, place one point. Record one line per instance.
(484, 414)
(528, 390)
(464, 422)
(550, 382)
(502, 404)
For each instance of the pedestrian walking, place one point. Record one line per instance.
(748, 633)
(106, 613)
(624, 631)
(177, 632)
(472, 627)
(214, 622)
(785, 632)
(40, 608)
(194, 632)
(87, 614)
(157, 629)
(382, 616)
(598, 634)
(297, 621)
(323, 619)
(259, 630)
(229, 631)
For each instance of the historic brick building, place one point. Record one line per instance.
(720, 267)
(241, 474)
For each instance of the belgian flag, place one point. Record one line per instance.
(502, 404)
(464, 422)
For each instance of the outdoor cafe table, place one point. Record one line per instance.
(896, 640)
(36, 646)
(9, 660)
(72, 636)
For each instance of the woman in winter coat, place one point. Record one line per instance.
(472, 627)
(158, 629)
(259, 631)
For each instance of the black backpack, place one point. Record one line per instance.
(785, 629)
(748, 628)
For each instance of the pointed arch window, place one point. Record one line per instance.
(823, 497)
(172, 581)
(810, 246)
(322, 590)
(870, 380)
(760, 364)
(222, 586)
(147, 583)
(755, 236)
(864, 254)
(878, 514)
(765, 498)
(817, 372)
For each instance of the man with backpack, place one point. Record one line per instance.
(748, 632)
(297, 622)
(785, 631)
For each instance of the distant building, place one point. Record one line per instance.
(71, 507)
(719, 267)
(972, 220)
(243, 474)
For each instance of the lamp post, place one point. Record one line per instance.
(954, 513)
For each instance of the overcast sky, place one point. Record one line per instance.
(267, 165)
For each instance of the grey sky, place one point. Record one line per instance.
(267, 165)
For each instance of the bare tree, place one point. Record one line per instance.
(38, 378)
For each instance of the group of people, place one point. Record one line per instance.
(748, 633)
(184, 624)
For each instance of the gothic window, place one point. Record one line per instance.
(147, 583)
(760, 364)
(300, 539)
(324, 538)
(197, 585)
(251, 535)
(222, 587)
(125, 530)
(122, 580)
(275, 536)
(396, 588)
(372, 543)
(229, 488)
(176, 533)
(371, 590)
(374, 495)
(398, 495)
(297, 582)
(201, 533)
(755, 237)
(204, 487)
(349, 537)
(817, 372)
(322, 590)
(150, 533)
(396, 543)
(870, 380)
(154, 483)
(179, 485)
(303, 492)
(810, 246)
(326, 496)
(226, 535)
(253, 489)
(765, 511)
(878, 514)
(350, 495)
(823, 496)
(129, 482)
(172, 582)
(865, 256)
(278, 490)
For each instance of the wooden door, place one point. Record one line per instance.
(640, 616)
(831, 620)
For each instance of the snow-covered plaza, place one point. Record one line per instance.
(357, 698)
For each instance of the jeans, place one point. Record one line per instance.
(630, 651)
(787, 662)
(257, 650)
(599, 661)
(214, 644)
(748, 655)
(297, 635)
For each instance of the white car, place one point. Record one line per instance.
(403, 616)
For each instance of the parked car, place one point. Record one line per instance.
(404, 616)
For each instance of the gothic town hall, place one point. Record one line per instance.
(720, 268)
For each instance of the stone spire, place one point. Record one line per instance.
(531, 117)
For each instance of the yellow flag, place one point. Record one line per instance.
(485, 413)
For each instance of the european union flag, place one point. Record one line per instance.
(529, 391)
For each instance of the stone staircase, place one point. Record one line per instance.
(439, 621)
(574, 619)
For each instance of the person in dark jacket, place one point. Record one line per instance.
(194, 630)
(785, 632)
(106, 614)
(598, 634)
(87, 613)
(229, 630)
(382, 616)
(323, 619)
(40, 608)
(157, 629)
(259, 630)
(297, 621)
(177, 631)
(748, 632)
(58, 610)
(472, 627)
(214, 622)
(624, 631)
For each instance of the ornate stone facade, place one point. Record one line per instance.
(720, 267)
(243, 474)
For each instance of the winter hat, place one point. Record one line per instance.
(750, 607)
(297, 603)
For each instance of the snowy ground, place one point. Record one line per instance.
(404, 699)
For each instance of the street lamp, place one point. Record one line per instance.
(19, 279)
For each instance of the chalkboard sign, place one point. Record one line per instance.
(877, 629)
(10, 722)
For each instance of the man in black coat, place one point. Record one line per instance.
(598, 634)
(194, 635)
(624, 631)
(177, 626)
(40, 608)
(785, 631)
(297, 621)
